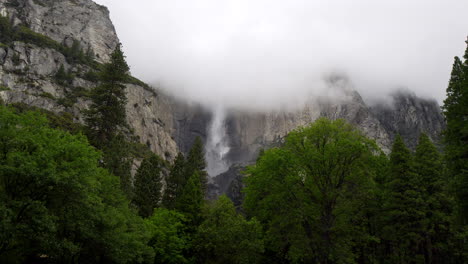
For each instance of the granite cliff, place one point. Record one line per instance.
(167, 125)
(28, 70)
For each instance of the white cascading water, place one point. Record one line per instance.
(217, 145)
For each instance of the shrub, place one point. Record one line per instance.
(47, 95)
(4, 88)
(16, 59)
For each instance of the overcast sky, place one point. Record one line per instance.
(268, 52)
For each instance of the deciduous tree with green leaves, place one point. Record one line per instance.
(56, 204)
(168, 237)
(227, 237)
(310, 193)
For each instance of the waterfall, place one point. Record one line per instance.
(217, 145)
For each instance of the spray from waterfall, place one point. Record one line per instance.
(217, 145)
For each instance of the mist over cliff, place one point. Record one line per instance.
(241, 75)
(267, 54)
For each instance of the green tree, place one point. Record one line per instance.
(147, 186)
(75, 53)
(56, 203)
(168, 237)
(309, 194)
(106, 116)
(227, 237)
(6, 30)
(118, 160)
(456, 133)
(404, 209)
(175, 182)
(191, 200)
(438, 205)
(62, 77)
(196, 163)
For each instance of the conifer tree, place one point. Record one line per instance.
(430, 169)
(175, 182)
(117, 159)
(6, 30)
(196, 163)
(147, 190)
(191, 200)
(456, 133)
(403, 209)
(106, 116)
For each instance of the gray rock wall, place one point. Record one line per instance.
(66, 20)
(168, 125)
(29, 71)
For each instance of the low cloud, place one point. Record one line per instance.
(268, 53)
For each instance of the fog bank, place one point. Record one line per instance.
(267, 53)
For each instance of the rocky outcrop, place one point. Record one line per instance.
(28, 71)
(65, 21)
(409, 115)
(249, 132)
(406, 114)
(191, 120)
(229, 183)
(167, 125)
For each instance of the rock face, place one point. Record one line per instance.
(409, 116)
(65, 21)
(28, 71)
(406, 114)
(167, 125)
(249, 132)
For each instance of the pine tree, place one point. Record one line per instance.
(191, 200)
(147, 190)
(175, 182)
(196, 162)
(403, 208)
(6, 30)
(89, 55)
(117, 159)
(106, 116)
(429, 167)
(456, 133)
(61, 75)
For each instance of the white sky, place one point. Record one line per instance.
(270, 52)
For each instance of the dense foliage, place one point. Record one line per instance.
(148, 185)
(330, 196)
(310, 194)
(227, 237)
(106, 118)
(54, 195)
(327, 195)
(456, 134)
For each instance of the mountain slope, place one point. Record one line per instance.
(70, 31)
(29, 67)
